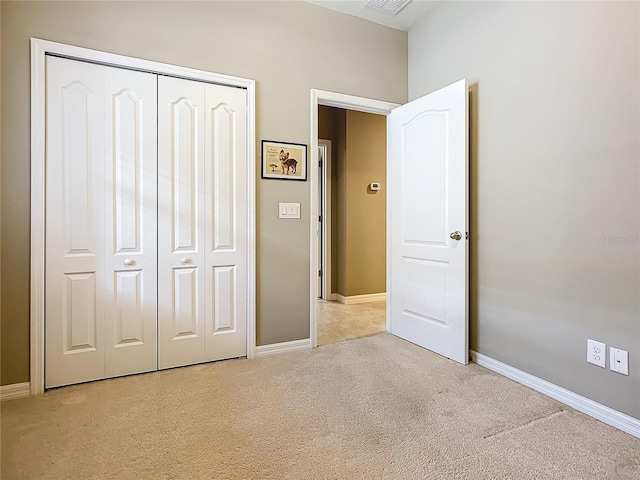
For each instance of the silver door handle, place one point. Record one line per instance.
(456, 235)
(185, 261)
(129, 262)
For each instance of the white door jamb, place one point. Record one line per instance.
(325, 225)
(349, 102)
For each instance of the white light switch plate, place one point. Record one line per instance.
(619, 360)
(288, 210)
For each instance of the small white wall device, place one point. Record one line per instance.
(375, 186)
(288, 210)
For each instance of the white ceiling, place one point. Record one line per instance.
(403, 20)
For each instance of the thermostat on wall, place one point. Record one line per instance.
(375, 186)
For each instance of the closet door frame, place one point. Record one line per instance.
(39, 49)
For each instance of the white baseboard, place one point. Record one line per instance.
(596, 410)
(371, 297)
(15, 390)
(283, 347)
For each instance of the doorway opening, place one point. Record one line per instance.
(352, 224)
(348, 199)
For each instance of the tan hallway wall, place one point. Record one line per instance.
(366, 214)
(555, 180)
(287, 47)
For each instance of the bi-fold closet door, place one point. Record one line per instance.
(202, 242)
(140, 277)
(101, 261)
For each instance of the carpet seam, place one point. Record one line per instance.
(525, 425)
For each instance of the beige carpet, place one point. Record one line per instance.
(371, 408)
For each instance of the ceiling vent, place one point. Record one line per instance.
(390, 7)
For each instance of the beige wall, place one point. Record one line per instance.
(366, 217)
(555, 172)
(287, 47)
(339, 234)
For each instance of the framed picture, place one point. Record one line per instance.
(284, 160)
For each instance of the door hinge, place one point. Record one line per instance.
(320, 164)
(320, 218)
(319, 273)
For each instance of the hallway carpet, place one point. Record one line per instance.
(372, 408)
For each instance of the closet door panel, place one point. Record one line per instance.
(130, 220)
(180, 220)
(225, 222)
(185, 305)
(74, 242)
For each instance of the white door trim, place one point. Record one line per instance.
(15, 390)
(40, 48)
(349, 102)
(366, 298)
(326, 222)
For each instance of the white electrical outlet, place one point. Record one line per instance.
(596, 353)
(619, 360)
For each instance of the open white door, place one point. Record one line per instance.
(428, 224)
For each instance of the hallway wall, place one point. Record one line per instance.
(358, 214)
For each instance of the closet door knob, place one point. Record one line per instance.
(185, 261)
(129, 262)
(456, 236)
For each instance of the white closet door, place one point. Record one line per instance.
(202, 218)
(225, 190)
(180, 219)
(74, 308)
(100, 211)
(130, 222)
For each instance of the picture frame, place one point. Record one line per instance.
(284, 160)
